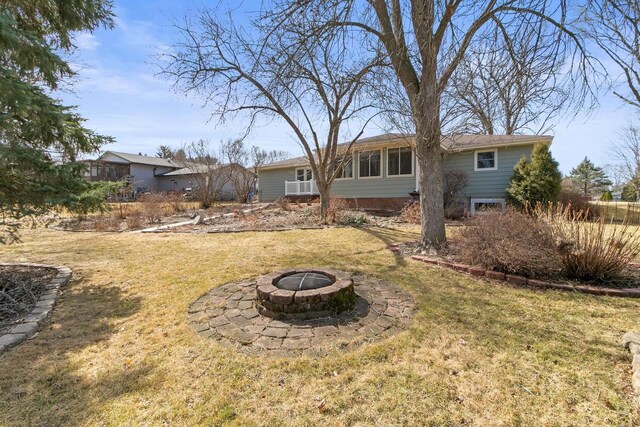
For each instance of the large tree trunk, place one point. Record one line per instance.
(433, 234)
(428, 138)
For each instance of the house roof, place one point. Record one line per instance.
(453, 143)
(190, 169)
(143, 160)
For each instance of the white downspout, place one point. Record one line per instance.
(417, 173)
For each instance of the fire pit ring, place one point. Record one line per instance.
(305, 294)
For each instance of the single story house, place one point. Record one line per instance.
(383, 170)
(148, 174)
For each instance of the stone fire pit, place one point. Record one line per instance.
(306, 311)
(304, 294)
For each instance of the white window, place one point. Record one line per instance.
(304, 174)
(346, 171)
(399, 161)
(369, 164)
(486, 160)
(479, 205)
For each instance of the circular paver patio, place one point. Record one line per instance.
(228, 315)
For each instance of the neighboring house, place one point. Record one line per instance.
(148, 174)
(383, 170)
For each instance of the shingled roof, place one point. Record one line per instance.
(145, 160)
(452, 143)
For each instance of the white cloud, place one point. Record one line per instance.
(85, 41)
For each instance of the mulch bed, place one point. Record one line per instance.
(297, 217)
(627, 285)
(20, 288)
(97, 223)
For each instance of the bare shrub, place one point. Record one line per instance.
(283, 203)
(337, 208)
(456, 211)
(511, 242)
(175, 203)
(454, 182)
(106, 222)
(134, 219)
(152, 207)
(571, 199)
(590, 250)
(411, 212)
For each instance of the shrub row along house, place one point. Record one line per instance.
(156, 174)
(382, 171)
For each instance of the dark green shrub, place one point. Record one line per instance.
(535, 180)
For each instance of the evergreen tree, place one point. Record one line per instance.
(589, 178)
(40, 137)
(165, 152)
(606, 196)
(535, 180)
(629, 193)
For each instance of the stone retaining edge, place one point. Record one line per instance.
(41, 311)
(523, 281)
(631, 341)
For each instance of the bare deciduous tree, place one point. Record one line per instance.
(245, 162)
(502, 89)
(209, 173)
(267, 69)
(626, 148)
(425, 41)
(615, 27)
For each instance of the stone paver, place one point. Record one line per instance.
(275, 332)
(43, 307)
(631, 341)
(228, 315)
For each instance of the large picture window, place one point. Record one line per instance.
(346, 171)
(369, 164)
(399, 161)
(486, 160)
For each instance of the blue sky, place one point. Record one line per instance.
(119, 94)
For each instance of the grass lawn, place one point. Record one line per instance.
(619, 211)
(118, 349)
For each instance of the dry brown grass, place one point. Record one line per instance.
(118, 350)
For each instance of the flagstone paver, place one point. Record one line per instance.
(228, 315)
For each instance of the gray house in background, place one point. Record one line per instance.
(382, 171)
(146, 173)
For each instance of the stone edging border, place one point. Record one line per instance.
(631, 341)
(42, 309)
(520, 280)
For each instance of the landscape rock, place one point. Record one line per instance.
(631, 341)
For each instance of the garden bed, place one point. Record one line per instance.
(156, 210)
(290, 217)
(20, 288)
(553, 247)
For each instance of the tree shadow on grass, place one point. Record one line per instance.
(45, 381)
(389, 236)
(497, 316)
